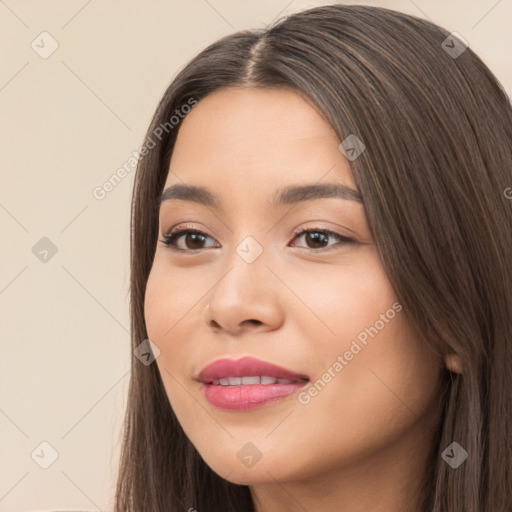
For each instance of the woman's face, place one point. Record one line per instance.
(311, 303)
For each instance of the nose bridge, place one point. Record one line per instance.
(250, 249)
(247, 269)
(244, 293)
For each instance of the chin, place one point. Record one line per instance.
(246, 476)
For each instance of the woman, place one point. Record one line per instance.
(321, 288)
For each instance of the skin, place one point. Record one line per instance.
(363, 440)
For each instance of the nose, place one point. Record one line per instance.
(245, 299)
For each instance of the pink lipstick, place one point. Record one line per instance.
(247, 383)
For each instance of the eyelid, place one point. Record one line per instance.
(176, 232)
(342, 239)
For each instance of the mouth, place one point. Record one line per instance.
(247, 383)
(226, 372)
(251, 380)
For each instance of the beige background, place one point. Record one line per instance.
(68, 122)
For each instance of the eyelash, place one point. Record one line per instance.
(169, 240)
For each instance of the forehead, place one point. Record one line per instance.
(273, 116)
(252, 138)
(240, 106)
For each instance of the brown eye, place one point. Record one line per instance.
(193, 240)
(316, 239)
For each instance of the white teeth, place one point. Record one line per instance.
(239, 381)
(251, 380)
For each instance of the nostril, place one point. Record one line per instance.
(255, 322)
(215, 324)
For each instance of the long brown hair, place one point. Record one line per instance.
(436, 181)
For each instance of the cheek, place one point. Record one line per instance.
(373, 379)
(380, 388)
(342, 301)
(154, 314)
(150, 305)
(391, 372)
(168, 302)
(171, 315)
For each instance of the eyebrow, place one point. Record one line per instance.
(289, 195)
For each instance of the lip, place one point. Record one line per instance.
(248, 396)
(245, 367)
